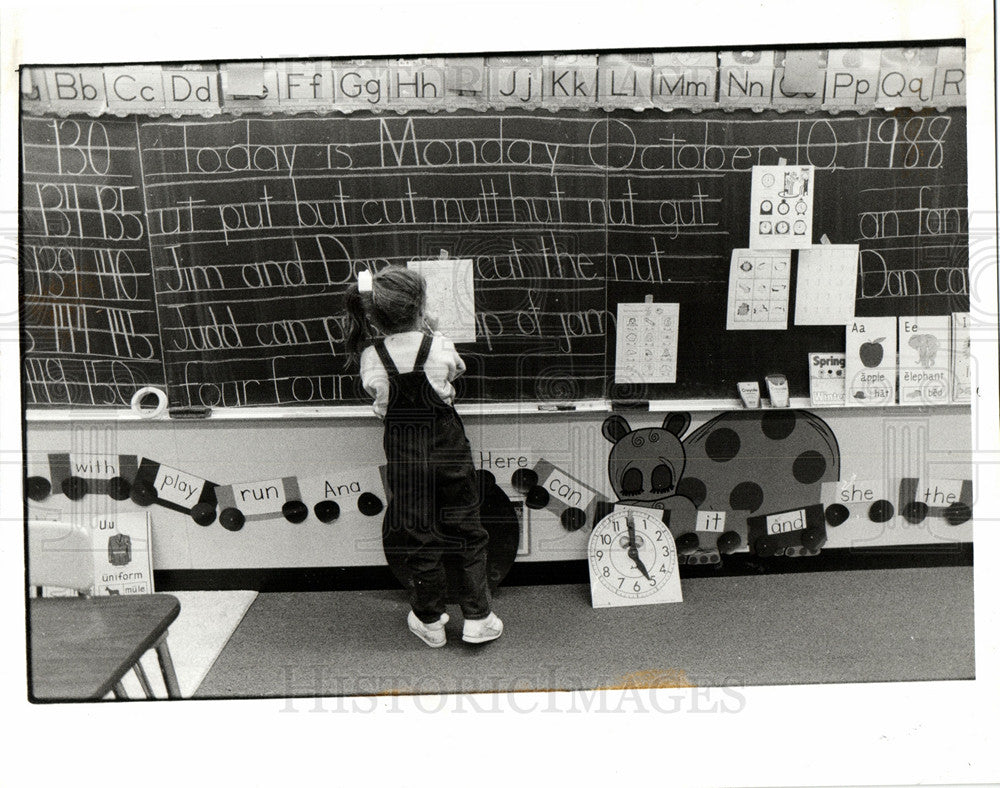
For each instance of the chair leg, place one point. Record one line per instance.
(140, 673)
(167, 668)
(119, 690)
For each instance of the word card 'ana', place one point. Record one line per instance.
(646, 343)
(451, 297)
(781, 207)
(825, 286)
(758, 290)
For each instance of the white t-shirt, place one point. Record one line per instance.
(443, 365)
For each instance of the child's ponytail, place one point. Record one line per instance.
(359, 328)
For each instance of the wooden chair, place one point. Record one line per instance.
(60, 556)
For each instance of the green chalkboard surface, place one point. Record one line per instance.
(236, 237)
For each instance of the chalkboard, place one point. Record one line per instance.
(90, 330)
(252, 227)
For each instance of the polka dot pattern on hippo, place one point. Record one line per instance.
(756, 463)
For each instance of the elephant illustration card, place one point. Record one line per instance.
(870, 361)
(925, 360)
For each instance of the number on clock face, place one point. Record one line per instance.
(640, 573)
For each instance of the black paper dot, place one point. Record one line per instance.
(119, 488)
(295, 511)
(811, 538)
(687, 543)
(809, 467)
(915, 512)
(722, 445)
(837, 514)
(143, 493)
(523, 479)
(728, 542)
(203, 513)
(957, 513)
(536, 498)
(369, 504)
(573, 519)
(74, 488)
(747, 497)
(692, 489)
(327, 511)
(231, 519)
(39, 488)
(881, 511)
(778, 424)
(764, 546)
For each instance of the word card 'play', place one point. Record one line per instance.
(646, 346)
(781, 207)
(758, 290)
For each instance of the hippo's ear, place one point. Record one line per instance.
(615, 428)
(677, 423)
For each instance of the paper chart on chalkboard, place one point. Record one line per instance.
(646, 350)
(825, 284)
(451, 298)
(758, 290)
(781, 207)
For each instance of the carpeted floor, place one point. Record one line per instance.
(889, 625)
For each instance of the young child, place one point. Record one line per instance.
(433, 499)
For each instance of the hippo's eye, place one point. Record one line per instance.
(632, 481)
(663, 479)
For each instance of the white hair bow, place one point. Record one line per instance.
(364, 281)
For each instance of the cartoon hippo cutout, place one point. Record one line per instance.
(721, 483)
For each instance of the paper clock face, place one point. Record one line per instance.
(633, 560)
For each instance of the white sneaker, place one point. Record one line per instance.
(482, 630)
(432, 634)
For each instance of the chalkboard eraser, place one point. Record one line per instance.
(189, 412)
(554, 406)
(630, 404)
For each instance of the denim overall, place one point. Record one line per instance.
(433, 498)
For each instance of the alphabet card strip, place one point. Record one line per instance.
(826, 283)
(924, 360)
(646, 343)
(781, 207)
(451, 296)
(870, 361)
(758, 290)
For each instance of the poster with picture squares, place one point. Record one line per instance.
(781, 207)
(758, 290)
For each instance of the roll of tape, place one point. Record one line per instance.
(144, 413)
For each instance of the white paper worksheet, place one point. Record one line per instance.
(758, 290)
(826, 282)
(646, 346)
(451, 297)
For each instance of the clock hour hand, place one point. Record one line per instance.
(633, 550)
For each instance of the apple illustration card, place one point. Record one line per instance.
(961, 354)
(781, 206)
(870, 361)
(925, 360)
(825, 284)
(758, 290)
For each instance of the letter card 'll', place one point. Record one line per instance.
(924, 360)
(781, 207)
(646, 343)
(870, 361)
(451, 298)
